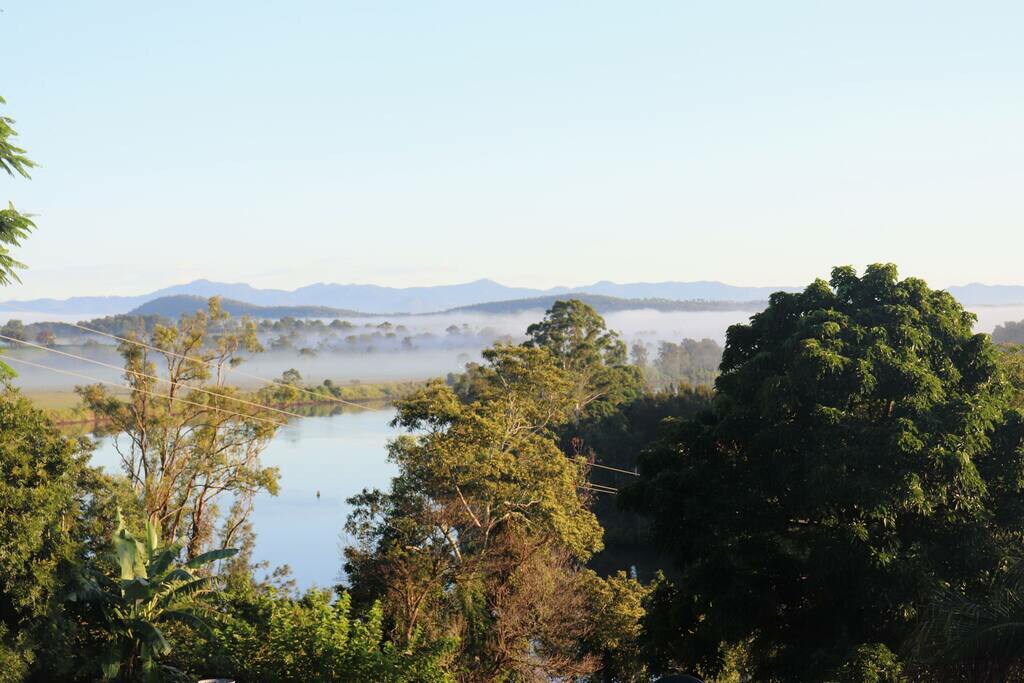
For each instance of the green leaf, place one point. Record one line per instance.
(152, 636)
(110, 663)
(211, 556)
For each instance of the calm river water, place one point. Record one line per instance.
(338, 456)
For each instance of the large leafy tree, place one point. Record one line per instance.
(845, 471)
(483, 531)
(593, 357)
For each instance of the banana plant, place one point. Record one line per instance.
(152, 589)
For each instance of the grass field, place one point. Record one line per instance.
(64, 406)
(53, 400)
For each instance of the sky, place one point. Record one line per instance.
(534, 143)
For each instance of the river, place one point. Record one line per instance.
(338, 456)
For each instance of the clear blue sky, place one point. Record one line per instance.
(283, 143)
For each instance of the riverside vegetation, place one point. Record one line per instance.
(843, 505)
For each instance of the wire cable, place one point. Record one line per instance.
(143, 391)
(154, 377)
(606, 467)
(207, 363)
(597, 490)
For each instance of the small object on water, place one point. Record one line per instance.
(318, 494)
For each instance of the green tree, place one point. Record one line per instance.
(1011, 363)
(14, 329)
(593, 357)
(14, 226)
(263, 634)
(188, 442)
(616, 607)
(976, 637)
(39, 471)
(690, 362)
(151, 589)
(640, 355)
(1010, 332)
(482, 532)
(845, 471)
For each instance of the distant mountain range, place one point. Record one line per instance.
(370, 299)
(375, 299)
(176, 306)
(609, 304)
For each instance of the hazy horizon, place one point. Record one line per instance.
(538, 145)
(540, 289)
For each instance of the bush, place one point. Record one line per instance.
(268, 636)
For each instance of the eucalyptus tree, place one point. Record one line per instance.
(859, 455)
(482, 533)
(593, 357)
(186, 438)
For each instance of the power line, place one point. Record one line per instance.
(589, 486)
(613, 469)
(143, 391)
(239, 400)
(155, 377)
(207, 363)
(601, 486)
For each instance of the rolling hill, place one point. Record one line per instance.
(373, 298)
(176, 306)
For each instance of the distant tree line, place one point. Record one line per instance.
(1009, 333)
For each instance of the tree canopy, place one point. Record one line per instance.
(847, 469)
(593, 356)
(39, 472)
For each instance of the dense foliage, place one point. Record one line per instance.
(485, 517)
(843, 506)
(14, 226)
(39, 475)
(148, 589)
(690, 362)
(855, 461)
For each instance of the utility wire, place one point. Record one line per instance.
(606, 467)
(597, 490)
(207, 363)
(143, 391)
(155, 377)
(589, 486)
(601, 486)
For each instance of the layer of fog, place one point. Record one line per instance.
(435, 350)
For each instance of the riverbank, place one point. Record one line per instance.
(65, 409)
